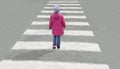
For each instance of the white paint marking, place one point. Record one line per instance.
(11, 64)
(67, 23)
(66, 16)
(64, 4)
(64, 7)
(48, 11)
(67, 32)
(75, 46)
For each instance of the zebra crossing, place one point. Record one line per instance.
(66, 17)
(62, 8)
(68, 57)
(68, 23)
(68, 32)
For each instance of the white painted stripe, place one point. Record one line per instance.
(67, 23)
(48, 11)
(64, 7)
(67, 32)
(11, 64)
(75, 46)
(66, 16)
(64, 4)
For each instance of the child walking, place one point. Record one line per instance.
(57, 24)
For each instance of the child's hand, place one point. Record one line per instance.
(49, 28)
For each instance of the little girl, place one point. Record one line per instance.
(57, 24)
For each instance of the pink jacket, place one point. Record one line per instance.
(57, 24)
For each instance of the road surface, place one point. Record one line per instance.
(91, 37)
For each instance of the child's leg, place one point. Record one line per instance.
(58, 41)
(54, 41)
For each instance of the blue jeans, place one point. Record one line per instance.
(56, 40)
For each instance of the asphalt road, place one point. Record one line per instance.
(17, 15)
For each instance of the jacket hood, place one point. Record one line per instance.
(56, 8)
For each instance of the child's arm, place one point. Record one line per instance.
(63, 22)
(50, 22)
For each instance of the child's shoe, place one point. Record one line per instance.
(54, 46)
(58, 47)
